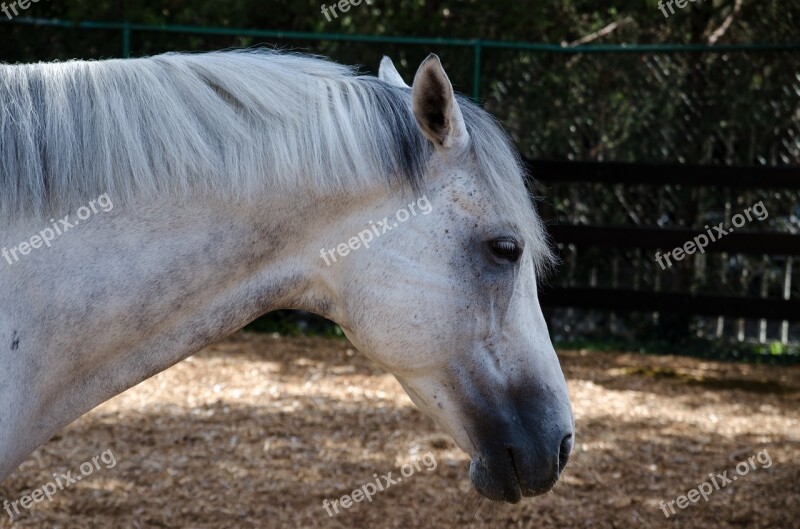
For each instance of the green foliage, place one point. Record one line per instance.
(295, 323)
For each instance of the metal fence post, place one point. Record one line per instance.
(477, 66)
(126, 39)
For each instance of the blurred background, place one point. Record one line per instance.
(641, 122)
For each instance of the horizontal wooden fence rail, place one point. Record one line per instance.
(546, 171)
(622, 300)
(765, 243)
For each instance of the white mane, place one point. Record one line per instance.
(236, 123)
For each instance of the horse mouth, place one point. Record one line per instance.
(508, 488)
(510, 474)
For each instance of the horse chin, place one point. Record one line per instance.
(502, 484)
(488, 485)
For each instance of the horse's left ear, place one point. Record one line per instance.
(387, 72)
(435, 106)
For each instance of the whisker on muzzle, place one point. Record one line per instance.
(472, 503)
(562, 483)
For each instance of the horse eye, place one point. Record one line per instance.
(506, 249)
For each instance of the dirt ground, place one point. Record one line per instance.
(258, 430)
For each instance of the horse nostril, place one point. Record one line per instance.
(563, 452)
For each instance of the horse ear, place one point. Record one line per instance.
(387, 72)
(435, 107)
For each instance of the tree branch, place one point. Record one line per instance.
(599, 33)
(720, 31)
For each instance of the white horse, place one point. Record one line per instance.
(222, 178)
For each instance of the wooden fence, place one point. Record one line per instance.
(652, 238)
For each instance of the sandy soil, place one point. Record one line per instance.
(258, 430)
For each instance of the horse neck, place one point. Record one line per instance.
(132, 291)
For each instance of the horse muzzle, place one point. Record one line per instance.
(511, 471)
(522, 452)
